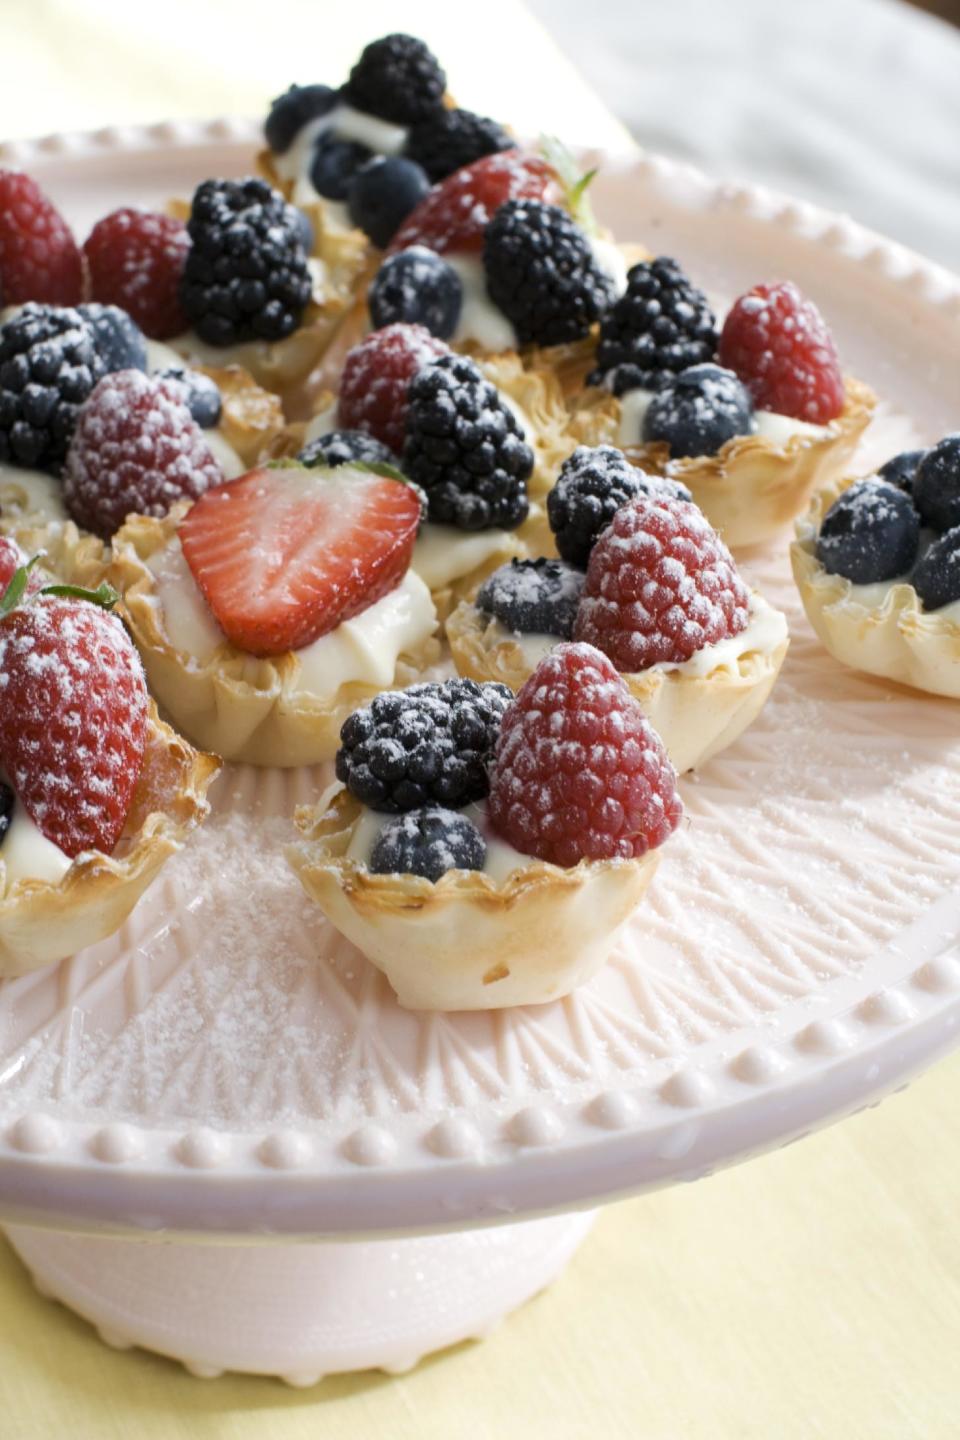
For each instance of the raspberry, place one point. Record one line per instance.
(779, 345)
(541, 272)
(136, 261)
(578, 773)
(456, 212)
(592, 485)
(376, 374)
(660, 586)
(397, 79)
(39, 258)
(449, 139)
(49, 363)
(136, 449)
(661, 325)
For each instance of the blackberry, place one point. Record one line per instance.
(398, 79)
(117, 337)
(936, 485)
(465, 447)
(49, 364)
(294, 109)
(870, 533)
(335, 162)
(449, 139)
(340, 447)
(419, 287)
(699, 411)
(203, 397)
(533, 597)
(936, 578)
(592, 485)
(901, 470)
(382, 193)
(7, 804)
(541, 272)
(246, 275)
(428, 842)
(662, 324)
(430, 744)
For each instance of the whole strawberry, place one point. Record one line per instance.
(136, 450)
(39, 258)
(779, 345)
(73, 715)
(578, 773)
(660, 586)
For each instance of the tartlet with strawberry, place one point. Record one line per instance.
(752, 416)
(96, 792)
(644, 577)
(528, 827)
(275, 604)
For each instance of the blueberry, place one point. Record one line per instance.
(417, 287)
(936, 485)
(383, 193)
(340, 447)
(428, 842)
(203, 395)
(870, 533)
(936, 578)
(699, 411)
(7, 804)
(533, 597)
(306, 231)
(335, 162)
(118, 338)
(901, 469)
(290, 112)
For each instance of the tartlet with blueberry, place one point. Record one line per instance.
(877, 564)
(643, 576)
(752, 416)
(483, 850)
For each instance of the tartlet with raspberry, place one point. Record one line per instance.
(643, 576)
(275, 604)
(96, 792)
(877, 564)
(752, 416)
(528, 827)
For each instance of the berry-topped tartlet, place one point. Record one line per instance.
(877, 564)
(475, 437)
(752, 415)
(643, 576)
(96, 792)
(276, 604)
(483, 850)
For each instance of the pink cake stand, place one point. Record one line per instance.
(222, 1139)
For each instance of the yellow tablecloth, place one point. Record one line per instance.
(812, 1293)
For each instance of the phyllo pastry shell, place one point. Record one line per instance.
(698, 708)
(243, 707)
(42, 921)
(755, 484)
(881, 629)
(468, 941)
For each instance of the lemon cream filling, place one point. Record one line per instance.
(500, 861)
(364, 649)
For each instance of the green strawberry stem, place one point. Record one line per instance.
(13, 594)
(575, 184)
(105, 596)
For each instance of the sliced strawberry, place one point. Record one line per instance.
(283, 556)
(454, 214)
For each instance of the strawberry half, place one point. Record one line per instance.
(284, 555)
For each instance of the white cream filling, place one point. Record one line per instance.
(501, 859)
(347, 124)
(873, 596)
(612, 262)
(443, 554)
(765, 630)
(364, 649)
(27, 854)
(778, 429)
(321, 424)
(41, 493)
(480, 320)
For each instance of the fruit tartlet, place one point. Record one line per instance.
(478, 439)
(877, 564)
(483, 850)
(752, 416)
(276, 604)
(96, 792)
(643, 576)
